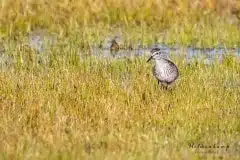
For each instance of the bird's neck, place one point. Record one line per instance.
(160, 60)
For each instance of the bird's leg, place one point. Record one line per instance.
(160, 84)
(163, 86)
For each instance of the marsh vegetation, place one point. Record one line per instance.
(59, 100)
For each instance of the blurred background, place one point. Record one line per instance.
(187, 22)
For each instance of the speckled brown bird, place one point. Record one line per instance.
(165, 71)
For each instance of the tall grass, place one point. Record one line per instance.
(100, 109)
(199, 22)
(68, 106)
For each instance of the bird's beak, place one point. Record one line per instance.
(149, 58)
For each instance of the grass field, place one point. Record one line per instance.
(115, 110)
(74, 108)
(185, 22)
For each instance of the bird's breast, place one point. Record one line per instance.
(164, 71)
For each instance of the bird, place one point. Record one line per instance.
(114, 48)
(165, 71)
(114, 45)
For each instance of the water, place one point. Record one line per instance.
(206, 55)
(42, 40)
(5, 60)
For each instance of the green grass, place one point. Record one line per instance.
(200, 23)
(72, 108)
(100, 109)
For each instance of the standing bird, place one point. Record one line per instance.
(114, 45)
(164, 70)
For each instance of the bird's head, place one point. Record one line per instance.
(157, 53)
